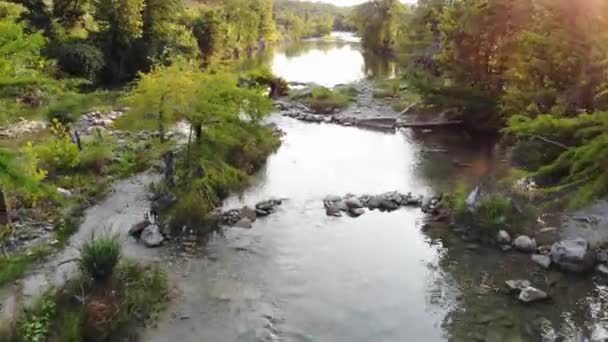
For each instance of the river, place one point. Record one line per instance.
(299, 275)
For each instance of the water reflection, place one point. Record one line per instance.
(328, 62)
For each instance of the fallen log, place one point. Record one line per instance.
(428, 124)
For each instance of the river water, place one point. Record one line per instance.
(299, 275)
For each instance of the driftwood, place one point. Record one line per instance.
(429, 124)
(549, 141)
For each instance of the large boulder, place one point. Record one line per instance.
(137, 228)
(573, 255)
(151, 236)
(525, 244)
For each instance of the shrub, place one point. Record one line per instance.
(387, 88)
(325, 101)
(494, 213)
(145, 288)
(80, 60)
(96, 156)
(457, 201)
(99, 257)
(67, 108)
(35, 325)
(58, 153)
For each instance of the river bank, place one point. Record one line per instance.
(305, 273)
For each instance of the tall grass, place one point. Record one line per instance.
(99, 257)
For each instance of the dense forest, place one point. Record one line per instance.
(299, 19)
(534, 70)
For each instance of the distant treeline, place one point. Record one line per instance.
(301, 19)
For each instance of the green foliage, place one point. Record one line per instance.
(81, 60)
(583, 159)
(457, 200)
(96, 155)
(58, 153)
(228, 29)
(12, 268)
(379, 24)
(146, 290)
(69, 12)
(19, 51)
(68, 326)
(305, 19)
(35, 325)
(495, 212)
(326, 101)
(387, 88)
(99, 257)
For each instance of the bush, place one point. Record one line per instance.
(80, 60)
(59, 154)
(35, 325)
(99, 257)
(96, 156)
(387, 88)
(457, 201)
(68, 108)
(494, 213)
(325, 101)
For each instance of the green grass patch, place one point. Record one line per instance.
(326, 101)
(106, 303)
(99, 257)
(14, 266)
(387, 88)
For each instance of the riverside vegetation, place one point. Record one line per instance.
(97, 89)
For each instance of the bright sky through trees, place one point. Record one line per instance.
(354, 2)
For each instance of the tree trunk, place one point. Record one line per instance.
(198, 131)
(170, 169)
(3, 209)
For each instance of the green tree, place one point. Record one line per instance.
(161, 97)
(69, 12)
(120, 26)
(378, 23)
(11, 174)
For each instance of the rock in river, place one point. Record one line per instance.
(503, 237)
(543, 261)
(531, 294)
(517, 285)
(267, 207)
(245, 223)
(525, 244)
(353, 203)
(574, 255)
(151, 236)
(137, 228)
(356, 212)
